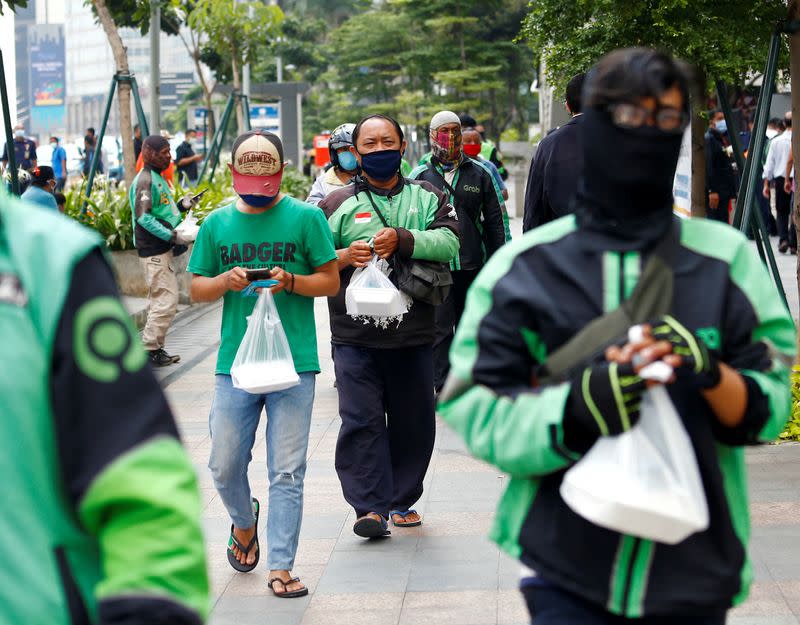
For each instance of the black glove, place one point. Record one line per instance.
(177, 250)
(699, 363)
(605, 400)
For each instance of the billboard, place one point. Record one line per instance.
(47, 77)
(266, 117)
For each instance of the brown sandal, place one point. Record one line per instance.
(287, 594)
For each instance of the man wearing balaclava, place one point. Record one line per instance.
(471, 188)
(155, 216)
(542, 368)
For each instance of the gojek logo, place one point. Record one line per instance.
(709, 336)
(104, 340)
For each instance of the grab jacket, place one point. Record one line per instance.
(532, 297)
(478, 202)
(427, 229)
(101, 509)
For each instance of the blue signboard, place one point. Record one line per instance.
(48, 77)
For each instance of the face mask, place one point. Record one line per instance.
(19, 133)
(382, 165)
(53, 145)
(722, 126)
(771, 133)
(472, 149)
(634, 180)
(347, 161)
(446, 145)
(258, 201)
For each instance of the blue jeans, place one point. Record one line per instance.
(233, 421)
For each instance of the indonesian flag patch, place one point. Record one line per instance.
(363, 218)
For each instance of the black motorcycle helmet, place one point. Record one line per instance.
(341, 137)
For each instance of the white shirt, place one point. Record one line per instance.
(778, 156)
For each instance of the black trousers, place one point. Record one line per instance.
(448, 315)
(783, 208)
(551, 606)
(388, 425)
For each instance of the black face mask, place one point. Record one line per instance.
(628, 173)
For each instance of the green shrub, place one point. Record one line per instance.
(108, 210)
(792, 430)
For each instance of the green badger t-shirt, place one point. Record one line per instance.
(292, 235)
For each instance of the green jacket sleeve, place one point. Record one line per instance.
(439, 241)
(144, 509)
(759, 340)
(489, 398)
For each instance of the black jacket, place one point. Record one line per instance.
(719, 169)
(477, 202)
(555, 172)
(530, 299)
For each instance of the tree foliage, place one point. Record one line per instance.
(411, 59)
(13, 5)
(725, 40)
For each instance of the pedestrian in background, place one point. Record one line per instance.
(384, 371)
(42, 188)
(155, 216)
(774, 182)
(726, 334)
(186, 160)
(137, 142)
(557, 167)
(59, 163)
(292, 239)
(343, 165)
(24, 150)
(470, 187)
(720, 177)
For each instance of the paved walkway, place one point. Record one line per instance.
(444, 572)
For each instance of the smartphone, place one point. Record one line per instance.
(258, 274)
(195, 198)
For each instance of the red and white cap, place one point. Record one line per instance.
(257, 163)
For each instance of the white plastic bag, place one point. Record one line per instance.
(264, 361)
(371, 294)
(644, 482)
(188, 228)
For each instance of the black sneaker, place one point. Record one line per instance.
(159, 358)
(173, 357)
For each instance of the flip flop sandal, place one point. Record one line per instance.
(287, 594)
(369, 527)
(405, 514)
(233, 542)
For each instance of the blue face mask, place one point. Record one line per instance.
(382, 165)
(722, 126)
(347, 161)
(258, 201)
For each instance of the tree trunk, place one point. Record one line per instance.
(698, 164)
(123, 88)
(794, 68)
(194, 52)
(237, 87)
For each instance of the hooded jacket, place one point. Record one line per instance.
(531, 298)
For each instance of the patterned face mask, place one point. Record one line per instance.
(446, 145)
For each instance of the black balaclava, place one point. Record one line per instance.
(151, 157)
(627, 176)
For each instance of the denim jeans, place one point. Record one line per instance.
(233, 421)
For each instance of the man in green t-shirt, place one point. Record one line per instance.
(264, 229)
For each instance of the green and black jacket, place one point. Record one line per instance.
(531, 298)
(154, 213)
(101, 516)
